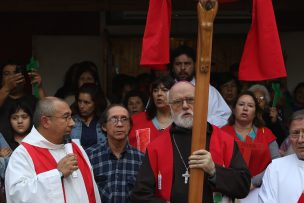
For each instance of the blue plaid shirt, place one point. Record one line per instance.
(115, 178)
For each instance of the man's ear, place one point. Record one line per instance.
(44, 122)
(103, 128)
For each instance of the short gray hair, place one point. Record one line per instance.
(262, 88)
(45, 107)
(298, 115)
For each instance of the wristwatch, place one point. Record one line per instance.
(61, 174)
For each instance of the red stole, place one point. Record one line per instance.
(301, 199)
(255, 152)
(143, 132)
(44, 161)
(161, 158)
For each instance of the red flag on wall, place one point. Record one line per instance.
(262, 56)
(156, 44)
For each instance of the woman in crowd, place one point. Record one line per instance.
(299, 96)
(270, 114)
(257, 143)
(135, 102)
(228, 87)
(21, 122)
(90, 103)
(77, 75)
(157, 118)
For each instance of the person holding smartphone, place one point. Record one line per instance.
(15, 86)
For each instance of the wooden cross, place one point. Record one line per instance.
(206, 10)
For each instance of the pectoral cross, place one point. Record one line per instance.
(186, 175)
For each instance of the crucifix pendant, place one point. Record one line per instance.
(186, 175)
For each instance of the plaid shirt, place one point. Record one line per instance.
(115, 178)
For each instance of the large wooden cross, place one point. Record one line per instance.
(207, 10)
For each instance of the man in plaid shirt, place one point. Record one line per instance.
(115, 163)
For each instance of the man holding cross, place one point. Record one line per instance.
(164, 175)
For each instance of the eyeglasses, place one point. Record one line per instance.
(123, 120)
(296, 134)
(66, 117)
(260, 98)
(179, 102)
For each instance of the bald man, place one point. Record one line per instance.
(40, 170)
(164, 175)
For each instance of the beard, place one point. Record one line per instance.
(184, 119)
(184, 76)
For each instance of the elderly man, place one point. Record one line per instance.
(182, 69)
(283, 179)
(115, 163)
(164, 174)
(40, 170)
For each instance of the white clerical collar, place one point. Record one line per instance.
(36, 139)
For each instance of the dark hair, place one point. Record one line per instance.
(17, 106)
(97, 95)
(87, 66)
(183, 49)
(297, 88)
(168, 82)
(224, 78)
(135, 93)
(258, 120)
(104, 116)
(118, 83)
(70, 84)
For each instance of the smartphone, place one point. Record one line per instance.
(19, 69)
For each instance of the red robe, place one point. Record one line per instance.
(255, 152)
(143, 132)
(161, 158)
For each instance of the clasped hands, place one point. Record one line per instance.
(202, 159)
(68, 164)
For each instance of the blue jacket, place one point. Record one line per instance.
(77, 130)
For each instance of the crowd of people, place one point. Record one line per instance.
(134, 145)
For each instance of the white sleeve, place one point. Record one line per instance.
(22, 184)
(218, 110)
(268, 191)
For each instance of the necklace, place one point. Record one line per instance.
(186, 175)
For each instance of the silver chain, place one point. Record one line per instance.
(179, 153)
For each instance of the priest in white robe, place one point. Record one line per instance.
(40, 170)
(283, 180)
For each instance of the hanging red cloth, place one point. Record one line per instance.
(156, 40)
(156, 44)
(262, 56)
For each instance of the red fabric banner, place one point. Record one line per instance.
(156, 40)
(262, 56)
(156, 44)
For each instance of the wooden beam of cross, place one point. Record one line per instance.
(207, 10)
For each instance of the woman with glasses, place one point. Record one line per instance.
(256, 142)
(157, 118)
(90, 103)
(271, 116)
